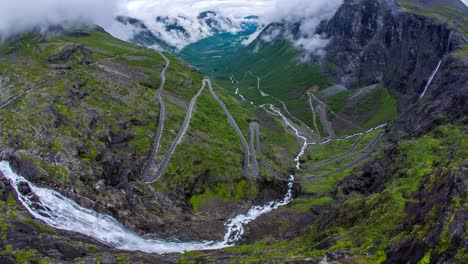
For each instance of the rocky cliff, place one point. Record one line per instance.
(403, 202)
(379, 41)
(382, 42)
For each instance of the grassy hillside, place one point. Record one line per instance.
(283, 76)
(79, 113)
(367, 227)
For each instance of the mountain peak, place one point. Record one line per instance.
(206, 14)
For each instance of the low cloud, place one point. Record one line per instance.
(308, 14)
(21, 15)
(184, 13)
(233, 8)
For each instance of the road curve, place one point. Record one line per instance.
(335, 114)
(249, 154)
(314, 117)
(250, 167)
(264, 94)
(366, 153)
(162, 167)
(162, 115)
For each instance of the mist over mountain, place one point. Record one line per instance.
(174, 33)
(181, 24)
(169, 25)
(233, 131)
(23, 15)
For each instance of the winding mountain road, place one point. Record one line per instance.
(249, 154)
(283, 104)
(314, 117)
(63, 213)
(162, 115)
(335, 114)
(162, 167)
(153, 172)
(366, 153)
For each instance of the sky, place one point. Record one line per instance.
(19, 15)
(237, 8)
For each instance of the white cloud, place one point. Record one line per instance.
(19, 15)
(184, 14)
(252, 37)
(235, 8)
(309, 14)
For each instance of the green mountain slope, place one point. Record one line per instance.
(80, 111)
(271, 72)
(282, 75)
(216, 48)
(381, 222)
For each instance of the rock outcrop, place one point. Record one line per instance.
(377, 41)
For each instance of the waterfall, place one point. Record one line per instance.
(431, 78)
(434, 73)
(448, 41)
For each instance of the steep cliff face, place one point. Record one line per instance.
(405, 204)
(377, 41)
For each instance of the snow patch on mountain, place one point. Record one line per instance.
(174, 33)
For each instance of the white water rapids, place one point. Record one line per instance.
(296, 131)
(60, 212)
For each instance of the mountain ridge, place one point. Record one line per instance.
(174, 33)
(382, 174)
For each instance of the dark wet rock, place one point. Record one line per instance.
(286, 224)
(7, 260)
(374, 41)
(80, 53)
(3, 189)
(113, 173)
(445, 102)
(24, 188)
(24, 165)
(369, 180)
(70, 252)
(76, 92)
(439, 197)
(107, 258)
(406, 251)
(120, 138)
